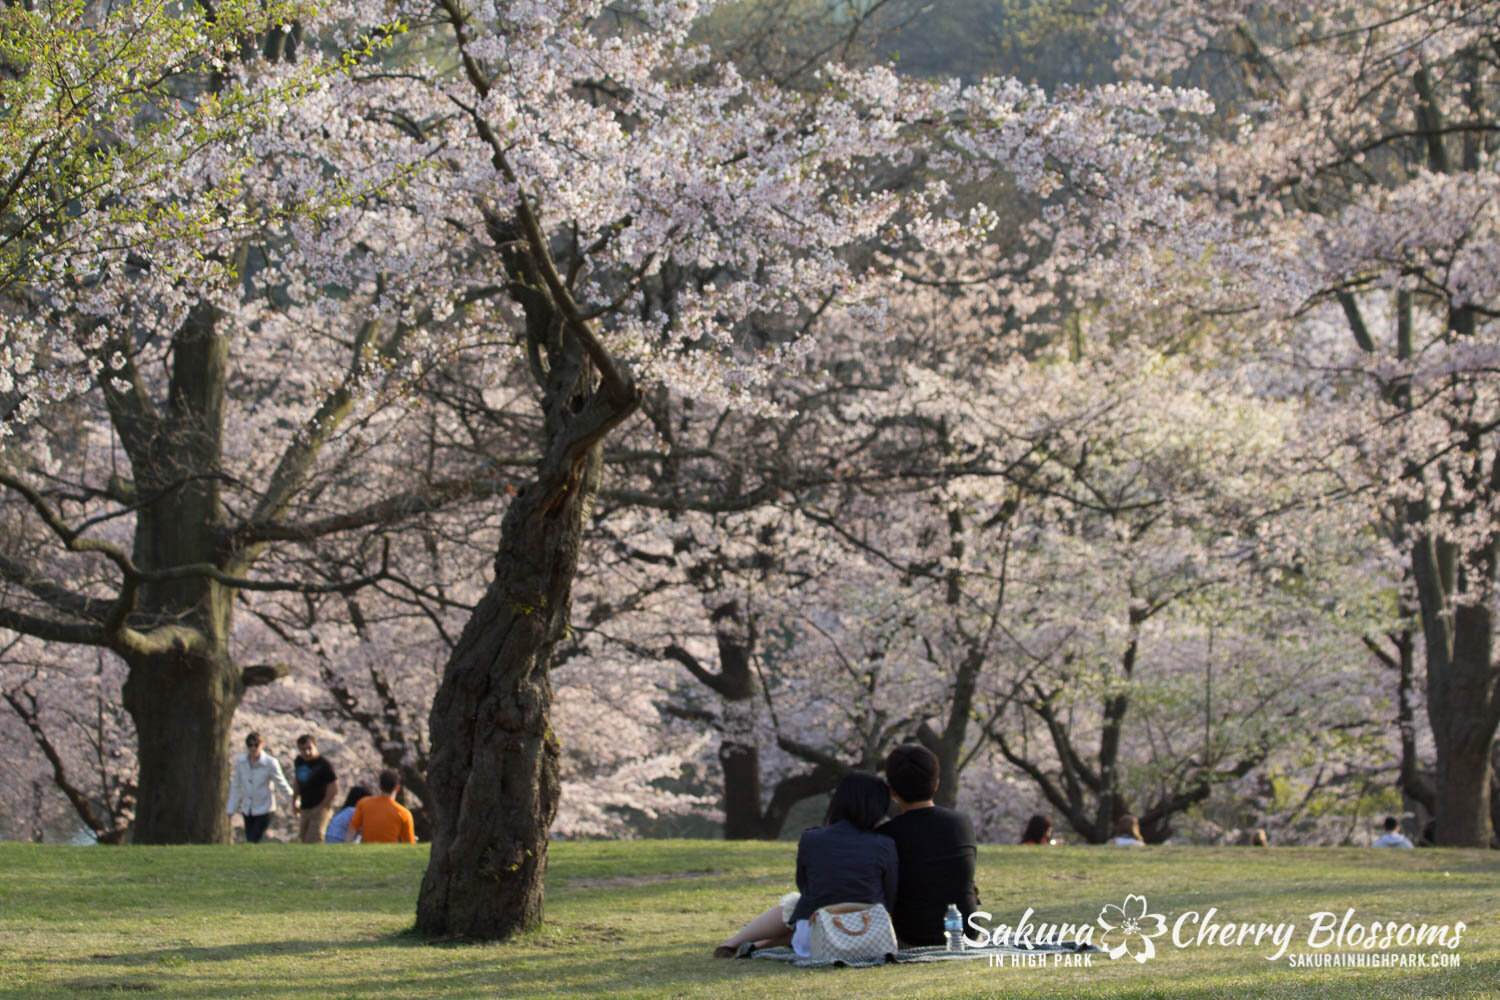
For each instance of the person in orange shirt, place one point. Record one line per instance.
(380, 819)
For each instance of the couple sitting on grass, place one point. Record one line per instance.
(916, 863)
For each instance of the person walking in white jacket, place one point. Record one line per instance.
(252, 788)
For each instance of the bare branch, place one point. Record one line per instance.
(49, 630)
(108, 833)
(261, 674)
(382, 512)
(52, 593)
(688, 660)
(811, 754)
(114, 631)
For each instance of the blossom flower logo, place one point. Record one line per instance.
(1126, 923)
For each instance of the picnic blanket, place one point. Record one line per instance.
(933, 953)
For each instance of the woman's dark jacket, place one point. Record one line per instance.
(843, 864)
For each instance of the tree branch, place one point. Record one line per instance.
(717, 682)
(51, 593)
(812, 755)
(1070, 807)
(618, 384)
(261, 674)
(49, 630)
(107, 833)
(114, 631)
(295, 464)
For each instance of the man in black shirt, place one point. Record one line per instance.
(316, 789)
(936, 848)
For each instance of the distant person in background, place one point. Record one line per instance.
(380, 819)
(1259, 839)
(252, 788)
(1038, 830)
(1128, 832)
(1392, 837)
(316, 787)
(339, 824)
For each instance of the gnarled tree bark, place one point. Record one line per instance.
(493, 775)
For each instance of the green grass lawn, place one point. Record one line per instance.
(637, 919)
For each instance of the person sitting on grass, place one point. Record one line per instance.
(339, 824)
(935, 847)
(380, 819)
(842, 861)
(1128, 832)
(1393, 836)
(1038, 831)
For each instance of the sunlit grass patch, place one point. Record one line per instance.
(637, 919)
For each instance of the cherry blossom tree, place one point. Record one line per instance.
(233, 375)
(1355, 186)
(605, 224)
(1104, 573)
(1182, 617)
(94, 113)
(760, 191)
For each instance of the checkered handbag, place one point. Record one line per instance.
(851, 932)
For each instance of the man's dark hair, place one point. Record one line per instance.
(389, 781)
(912, 770)
(253, 738)
(862, 798)
(305, 739)
(1391, 824)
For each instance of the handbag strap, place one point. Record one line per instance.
(865, 914)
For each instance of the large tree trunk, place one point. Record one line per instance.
(1463, 795)
(1495, 795)
(740, 763)
(736, 687)
(739, 756)
(1461, 696)
(493, 775)
(183, 699)
(1463, 732)
(183, 705)
(1463, 728)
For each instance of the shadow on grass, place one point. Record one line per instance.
(185, 955)
(532, 946)
(657, 971)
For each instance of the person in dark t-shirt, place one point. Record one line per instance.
(935, 847)
(316, 788)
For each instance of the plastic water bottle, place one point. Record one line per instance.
(953, 928)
